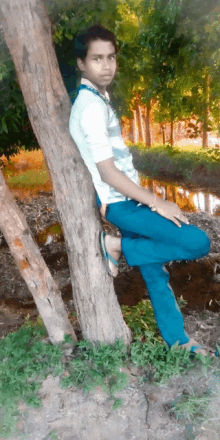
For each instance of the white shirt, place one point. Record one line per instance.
(97, 134)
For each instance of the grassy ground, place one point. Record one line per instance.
(26, 173)
(27, 357)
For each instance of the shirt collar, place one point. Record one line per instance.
(89, 83)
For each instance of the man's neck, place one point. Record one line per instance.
(101, 90)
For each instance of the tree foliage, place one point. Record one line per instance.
(165, 49)
(15, 128)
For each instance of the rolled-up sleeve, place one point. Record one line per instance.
(94, 127)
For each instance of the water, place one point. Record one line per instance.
(187, 200)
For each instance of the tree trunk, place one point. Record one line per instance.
(207, 202)
(174, 194)
(205, 135)
(27, 32)
(142, 131)
(33, 267)
(148, 132)
(171, 132)
(135, 131)
(166, 192)
(163, 133)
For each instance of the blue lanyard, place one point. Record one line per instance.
(84, 86)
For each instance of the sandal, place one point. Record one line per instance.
(195, 347)
(209, 350)
(106, 255)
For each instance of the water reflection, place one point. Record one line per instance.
(187, 200)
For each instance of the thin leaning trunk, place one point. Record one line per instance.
(33, 268)
(27, 33)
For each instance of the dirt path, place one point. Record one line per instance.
(147, 412)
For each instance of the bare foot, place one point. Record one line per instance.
(113, 247)
(204, 351)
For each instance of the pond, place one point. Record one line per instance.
(186, 199)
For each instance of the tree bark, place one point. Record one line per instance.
(205, 135)
(33, 267)
(27, 33)
(148, 131)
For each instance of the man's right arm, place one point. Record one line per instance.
(115, 178)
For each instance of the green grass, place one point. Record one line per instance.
(190, 163)
(26, 360)
(97, 365)
(28, 178)
(140, 319)
(193, 406)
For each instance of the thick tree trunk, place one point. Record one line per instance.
(33, 267)
(27, 32)
(148, 131)
(205, 135)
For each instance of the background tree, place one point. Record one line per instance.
(179, 53)
(15, 128)
(165, 49)
(201, 21)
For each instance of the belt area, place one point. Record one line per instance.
(103, 208)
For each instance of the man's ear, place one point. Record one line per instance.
(80, 64)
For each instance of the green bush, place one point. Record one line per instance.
(15, 128)
(170, 162)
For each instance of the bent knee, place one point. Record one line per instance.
(205, 245)
(200, 244)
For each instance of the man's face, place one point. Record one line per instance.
(99, 66)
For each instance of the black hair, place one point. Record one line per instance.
(96, 32)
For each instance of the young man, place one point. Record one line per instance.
(154, 231)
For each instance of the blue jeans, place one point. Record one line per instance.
(149, 241)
